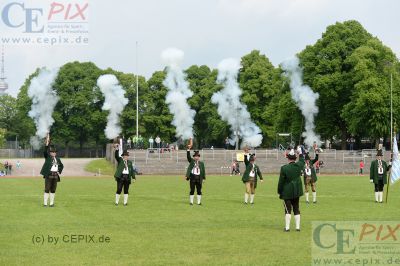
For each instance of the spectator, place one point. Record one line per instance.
(151, 142)
(6, 167)
(235, 168)
(158, 141)
(380, 145)
(140, 142)
(351, 145)
(135, 141)
(129, 142)
(18, 164)
(361, 167)
(226, 143)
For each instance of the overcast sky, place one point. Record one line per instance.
(206, 30)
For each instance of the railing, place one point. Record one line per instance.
(328, 153)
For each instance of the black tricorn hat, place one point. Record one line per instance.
(196, 153)
(125, 153)
(52, 148)
(379, 153)
(252, 157)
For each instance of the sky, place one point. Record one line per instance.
(208, 31)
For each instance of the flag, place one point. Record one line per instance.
(395, 163)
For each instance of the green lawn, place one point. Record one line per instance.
(159, 227)
(101, 166)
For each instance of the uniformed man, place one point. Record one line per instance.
(378, 175)
(290, 188)
(196, 174)
(310, 176)
(51, 170)
(249, 178)
(124, 175)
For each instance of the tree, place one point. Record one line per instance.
(156, 117)
(25, 128)
(209, 129)
(8, 115)
(367, 114)
(260, 82)
(327, 71)
(75, 111)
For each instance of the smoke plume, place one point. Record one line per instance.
(44, 100)
(114, 102)
(305, 99)
(178, 94)
(230, 108)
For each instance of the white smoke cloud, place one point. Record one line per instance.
(230, 108)
(304, 97)
(114, 102)
(44, 100)
(178, 94)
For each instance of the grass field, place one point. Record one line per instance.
(101, 165)
(159, 227)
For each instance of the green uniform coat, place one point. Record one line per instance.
(290, 185)
(48, 163)
(314, 177)
(191, 165)
(246, 174)
(121, 166)
(373, 174)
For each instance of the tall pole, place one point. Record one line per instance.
(137, 93)
(391, 109)
(391, 133)
(237, 129)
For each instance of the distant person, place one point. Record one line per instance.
(378, 175)
(151, 142)
(380, 145)
(18, 164)
(6, 167)
(290, 188)
(141, 142)
(51, 170)
(196, 174)
(351, 143)
(361, 167)
(129, 142)
(249, 178)
(124, 175)
(158, 141)
(235, 168)
(135, 141)
(226, 143)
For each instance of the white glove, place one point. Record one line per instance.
(371, 181)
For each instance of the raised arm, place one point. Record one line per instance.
(116, 155)
(246, 159)
(188, 156)
(46, 148)
(46, 152)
